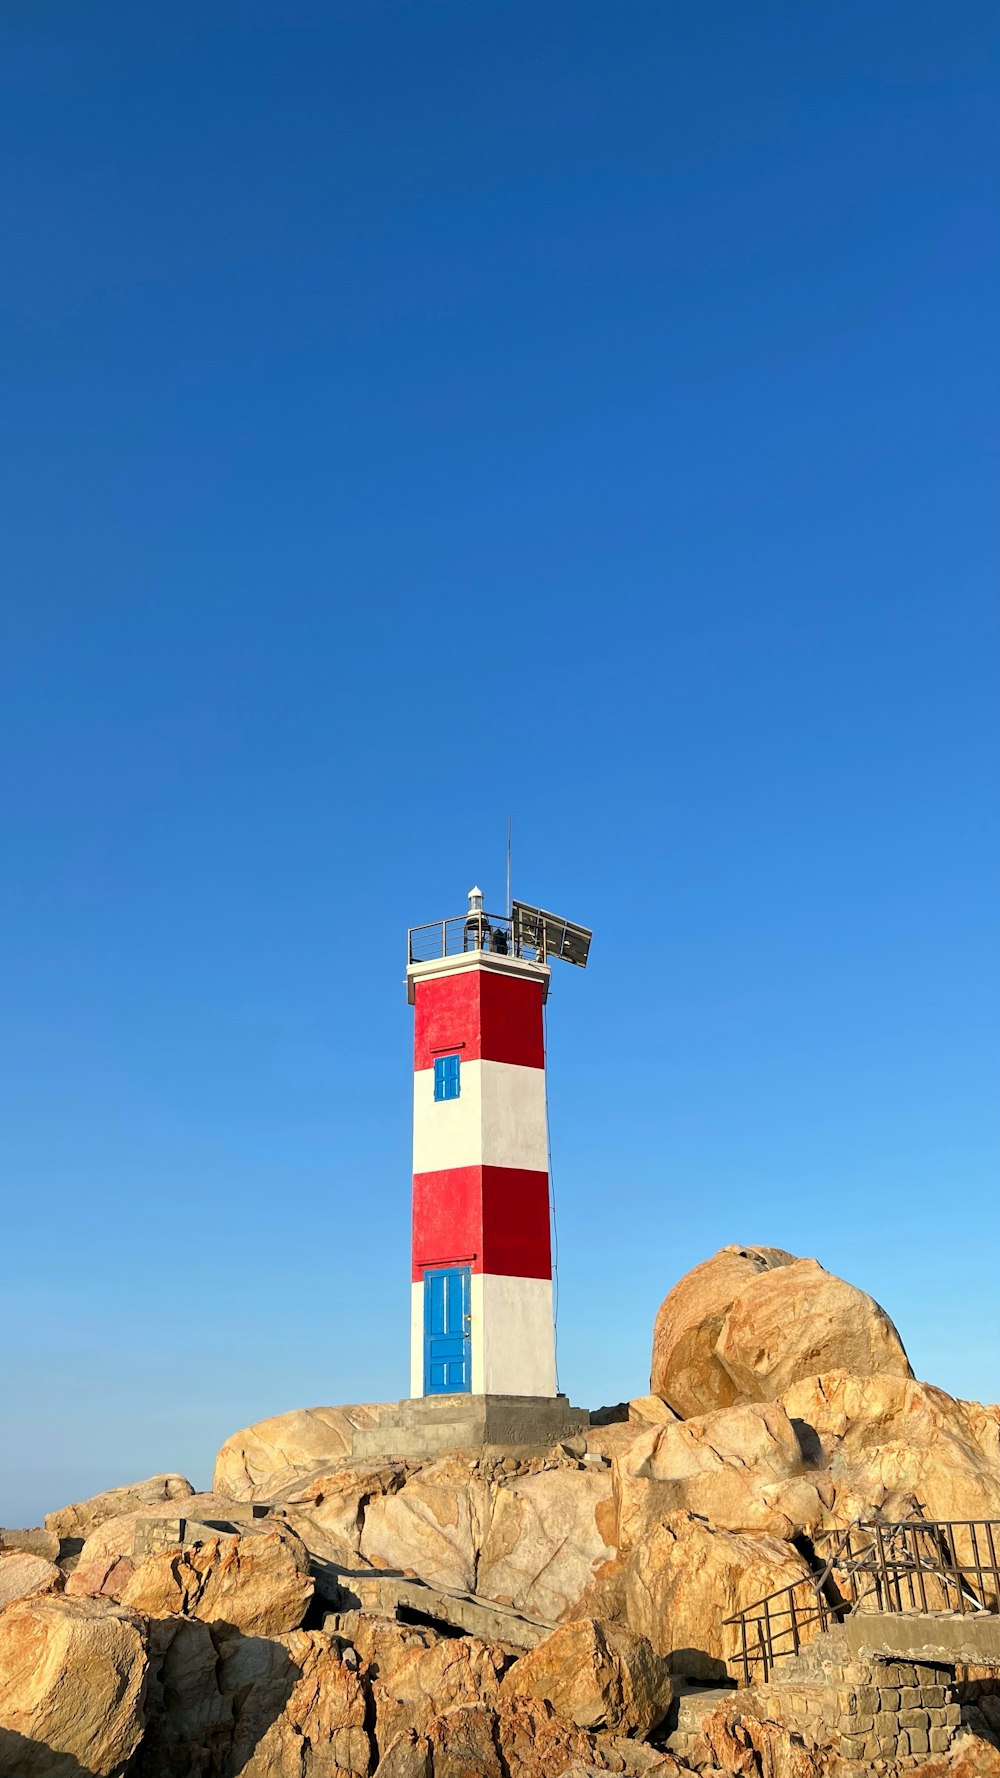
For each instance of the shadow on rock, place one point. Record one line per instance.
(213, 1695)
(22, 1758)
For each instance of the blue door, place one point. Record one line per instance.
(448, 1331)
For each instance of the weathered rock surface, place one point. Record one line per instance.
(800, 1320)
(34, 1541)
(739, 1468)
(433, 1527)
(22, 1574)
(266, 1707)
(547, 1534)
(328, 1510)
(750, 1322)
(970, 1757)
(598, 1675)
(423, 1682)
(635, 1540)
(258, 1583)
(299, 1710)
(890, 1439)
(524, 1738)
(686, 1371)
(685, 1579)
(261, 1460)
(744, 1745)
(72, 1681)
(86, 1515)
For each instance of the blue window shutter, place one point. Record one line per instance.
(447, 1078)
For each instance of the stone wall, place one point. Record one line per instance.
(862, 1708)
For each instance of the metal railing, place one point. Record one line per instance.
(468, 932)
(902, 1566)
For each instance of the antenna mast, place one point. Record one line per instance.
(510, 820)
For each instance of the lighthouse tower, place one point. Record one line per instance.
(482, 1349)
(481, 1306)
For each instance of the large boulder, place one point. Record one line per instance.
(750, 1322)
(686, 1579)
(79, 1520)
(599, 1675)
(257, 1582)
(739, 1468)
(801, 1320)
(548, 1534)
(35, 1541)
(261, 1460)
(433, 1527)
(899, 1446)
(686, 1371)
(22, 1574)
(72, 1681)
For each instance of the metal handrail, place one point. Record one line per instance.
(901, 1567)
(468, 932)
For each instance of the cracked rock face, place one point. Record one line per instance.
(72, 1684)
(750, 1322)
(259, 1583)
(599, 1676)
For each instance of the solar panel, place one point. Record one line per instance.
(549, 935)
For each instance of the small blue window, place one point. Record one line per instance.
(446, 1078)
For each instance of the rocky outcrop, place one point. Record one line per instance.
(523, 1738)
(548, 1533)
(549, 1597)
(35, 1541)
(220, 1702)
(687, 1578)
(739, 1467)
(22, 1574)
(799, 1320)
(262, 1460)
(598, 1675)
(329, 1509)
(258, 1583)
(900, 1447)
(686, 1370)
(85, 1516)
(298, 1708)
(421, 1683)
(72, 1683)
(748, 1323)
(433, 1527)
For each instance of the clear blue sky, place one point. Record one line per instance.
(418, 412)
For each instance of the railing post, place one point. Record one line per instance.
(994, 1565)
(918, 1564)
(978, 1565)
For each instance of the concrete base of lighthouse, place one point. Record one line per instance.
(431, 1425)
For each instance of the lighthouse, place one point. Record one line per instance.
(481, 1286)
(482, 1331)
